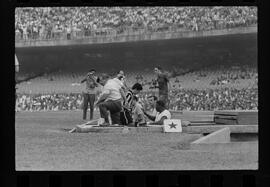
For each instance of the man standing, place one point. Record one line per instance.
(111, 100)
(163, 81)
(89, 95)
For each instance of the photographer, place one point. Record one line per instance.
(89, 95)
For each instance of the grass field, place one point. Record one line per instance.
(42, 143)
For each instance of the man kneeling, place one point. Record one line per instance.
(110, 100)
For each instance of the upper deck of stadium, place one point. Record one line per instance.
(54, 26)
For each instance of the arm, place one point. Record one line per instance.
(123, 95)
(160, 122)
(103, 97)
(83, 80)
(140, 118)
(175, 73)
(152, 118)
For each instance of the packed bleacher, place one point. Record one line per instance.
(52, 23)
(184, 99)
(237, 90)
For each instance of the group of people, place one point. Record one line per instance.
(121, 102)
(219, 98)
(48, 22)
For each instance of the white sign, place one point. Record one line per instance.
(172, 125)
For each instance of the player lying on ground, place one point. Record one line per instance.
(162, 114)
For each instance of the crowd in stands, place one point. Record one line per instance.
(215, 99)
(182, 95)
(231, 76)
(54, 102)
(184, 99)
(207, 77)
(74, 22)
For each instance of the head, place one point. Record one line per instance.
(91, 72)
(157, 70)
(121, 78)
(152, 100)
(160, 106)
(103, 78)
(136, 88)
(120, 74)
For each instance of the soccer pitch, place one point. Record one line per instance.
(43, 143)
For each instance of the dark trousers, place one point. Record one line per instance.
(126, 117)
(114, 107)
(88, 98)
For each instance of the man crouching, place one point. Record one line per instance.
(111, 99)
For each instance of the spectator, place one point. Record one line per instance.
(109, 20)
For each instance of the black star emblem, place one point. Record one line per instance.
(172, 125)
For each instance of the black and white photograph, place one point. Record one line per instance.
(136, 88)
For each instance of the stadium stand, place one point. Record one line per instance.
(65, 23)
(210, 88)
(193, 91)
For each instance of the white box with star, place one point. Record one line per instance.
(172, 125)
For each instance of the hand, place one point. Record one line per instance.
(143, 110)
(126, 105)
(96, 104)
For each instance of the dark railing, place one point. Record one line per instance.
(107, 32)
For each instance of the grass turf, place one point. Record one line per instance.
(42, 143)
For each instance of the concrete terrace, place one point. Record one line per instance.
(136, 37)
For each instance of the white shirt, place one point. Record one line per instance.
(118, 81)
(162, 114)
(112, 87)
(154, 112)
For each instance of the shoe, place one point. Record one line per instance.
(141, 125)
(104, 124)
